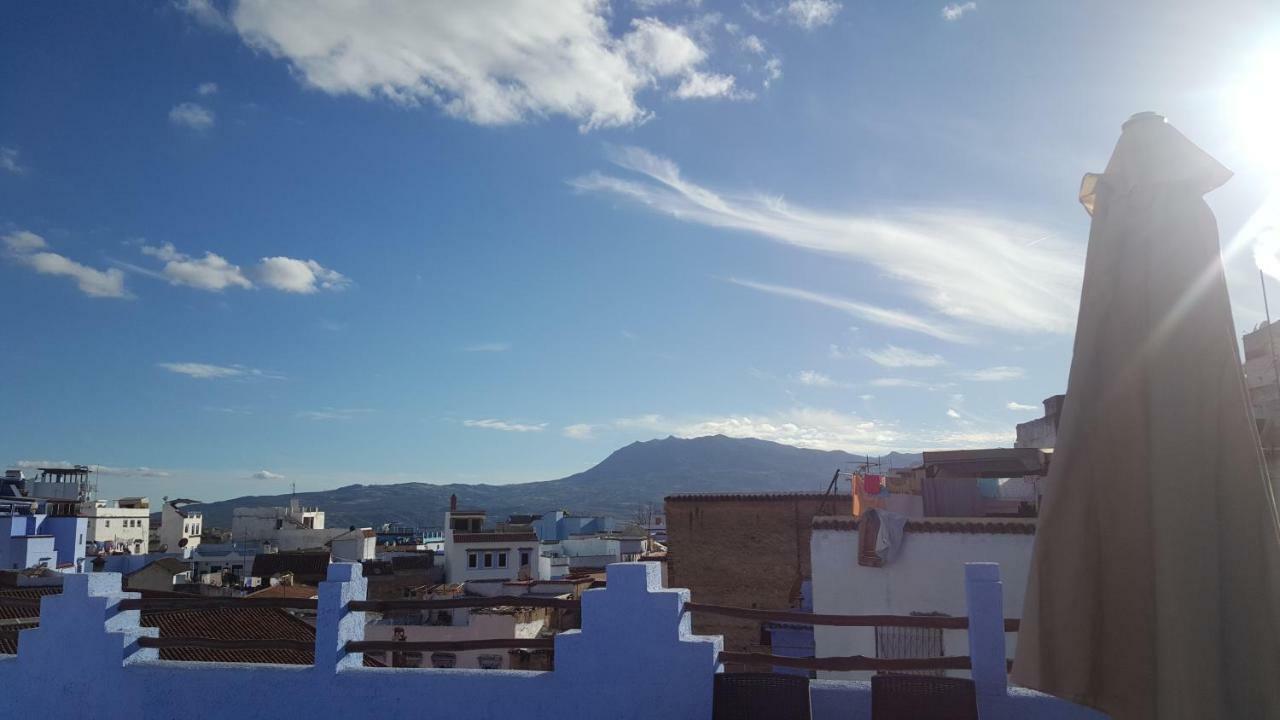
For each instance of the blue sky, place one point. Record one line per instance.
(257, 243)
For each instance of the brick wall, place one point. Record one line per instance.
(748, 550)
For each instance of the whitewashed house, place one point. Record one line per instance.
(117, 525)
(472, 552)
(286, 528)
(179, 528)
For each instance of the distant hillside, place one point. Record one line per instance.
(638, 473)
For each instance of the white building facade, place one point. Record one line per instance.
(286, 528)
(926, 576)
(179, 529)
(473, 553)
(117, 525)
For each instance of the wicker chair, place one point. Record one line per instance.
(760, 696)
(916, 697)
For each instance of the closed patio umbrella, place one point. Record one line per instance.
(1155, 582)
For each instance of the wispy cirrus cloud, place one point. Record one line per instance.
(207, 371)
(954, 11)
(982, 269)
(895, 382)
(993, 374)
(813, 378)
(266, 475)
(504, 425)
(207, 88)
(27, 248)
(863, 311)
(329, 414)
(1020, 407)
(899, 357)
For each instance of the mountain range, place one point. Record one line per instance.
(632, 476)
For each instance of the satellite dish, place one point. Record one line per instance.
(182, 543)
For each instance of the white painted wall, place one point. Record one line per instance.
(926, 576)
(122, 528)
(175, 527)
(479, 626)
(458, 570)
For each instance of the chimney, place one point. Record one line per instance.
(453, 503)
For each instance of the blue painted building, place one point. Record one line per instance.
(39, 522)
(559, 525)
(791, 639)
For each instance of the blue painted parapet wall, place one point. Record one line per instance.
(635, 657)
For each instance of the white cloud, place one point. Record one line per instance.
(491, 424)
(955, 11)
(206, 371)
(909, 383)
(22, 245)
(329, 413)
(299, 276)
(1020, 407)
(897, 357)
(752, 44)
(870, 313)
(140, 471)
(485, 62)
(192, 115)
(970, 267)
(208, 88)
(266, 475)
(655, 4)
(951, 413)
(817, 379)
(580, 431)
(204, 12)
(22, 241)
(810, 14)
(489, 347)
(9, 161)
(993, 374)
(709, 85)
(212, 272)
(772, 71)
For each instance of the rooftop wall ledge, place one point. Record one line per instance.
(636, 643)
(336, 624)
(85, 635)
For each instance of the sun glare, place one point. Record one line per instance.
(1255, 109)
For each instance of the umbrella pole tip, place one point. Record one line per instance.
(1143, 116)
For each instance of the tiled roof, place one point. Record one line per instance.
(762, 495)
(287, 591)
(13, 612)
(219, 624)
(173, 566)
(976, 526)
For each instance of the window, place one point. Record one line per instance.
(490, 662)
(108, 524)
(524, 558)
(473, 560)
(502, 559)
(488, 560)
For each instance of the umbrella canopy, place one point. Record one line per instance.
(1155, 582)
